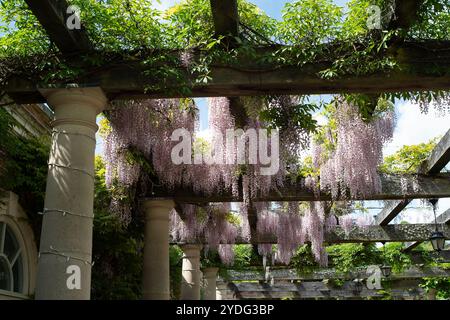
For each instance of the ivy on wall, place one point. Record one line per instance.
(23, 167)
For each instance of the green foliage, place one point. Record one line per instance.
(310, 22)
(441, 285)
(392, 255)
(298, 116)
(385, 294)
(408, 159)
(23, 157)
(243, 256)
(175, 260)
(191, 23)
(121, 25)
(21, 32)
(307, 168)
(346, 257)
(303, 261)
(131, 30)
(355, 23)
(433, 22)
(117, 250)
(210, 258)
(335, 283)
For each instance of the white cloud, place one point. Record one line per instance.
(416, 212)
(413, 127)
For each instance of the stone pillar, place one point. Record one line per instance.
(219, 289)
(210, 277)
(156, 282)
(431, 294)
(64, 268)
(190, 284)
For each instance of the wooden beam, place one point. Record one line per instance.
(226, 17)
(405, 14)
(390, 211)
(286, 274)
(315, 290)
(393, 187)
(238, 112)
(319, 284)
(439, 158)
(443, 218)
(126, 80)
(252, 216)
(53, 17)
(389, 233)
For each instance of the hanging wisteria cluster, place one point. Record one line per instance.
(213, 227)
(145, 127)
(293, 228)
(439, 101)
(357, 155)
(253, 182)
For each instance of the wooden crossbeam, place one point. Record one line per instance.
(226, 17)
(438, 159)
(285, 274)
(393, 187)
(443, 218)
(390, 211)
(238, 112)
(373, 233)
(317, 290)
(126, 80)
(53, 17)
(319, 284)
(405, 14)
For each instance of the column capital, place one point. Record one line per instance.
(166, 203)
(93, 96)
(210, 271)
(191, 247)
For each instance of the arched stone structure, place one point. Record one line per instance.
(15, 223)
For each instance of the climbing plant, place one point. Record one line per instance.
(22, 157)
(407, 159)
(135, 32)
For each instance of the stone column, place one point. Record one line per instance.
(190, 284)
(210, 277)
(156, 282)
(64, 267)
(431, 294)
(219, 288)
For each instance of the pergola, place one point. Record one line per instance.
(67, 224)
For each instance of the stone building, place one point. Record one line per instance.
(18, 246)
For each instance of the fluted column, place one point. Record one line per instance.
(64, 268)
(210, 279)
(190, 283)
(156, 281)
